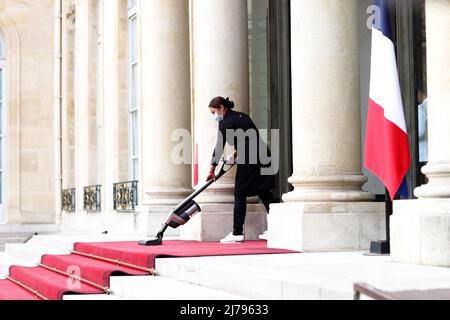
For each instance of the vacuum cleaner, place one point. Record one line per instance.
(184, 211)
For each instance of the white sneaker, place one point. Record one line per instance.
(263, 236)
(232, 239)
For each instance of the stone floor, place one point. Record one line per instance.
(304, 275)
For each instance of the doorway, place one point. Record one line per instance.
(270, 80)
(411, 53)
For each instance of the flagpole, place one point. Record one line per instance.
(383, 247)
(388, 208)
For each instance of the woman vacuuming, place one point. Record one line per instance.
(239, 131)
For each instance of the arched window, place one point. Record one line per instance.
(2, 118)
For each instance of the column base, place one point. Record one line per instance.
(216, 221)
(420, 232)
(325, 226)
(150, 219)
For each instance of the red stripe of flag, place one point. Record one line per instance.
(386, 149)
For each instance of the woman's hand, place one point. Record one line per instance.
(231, 159)
(211, 175)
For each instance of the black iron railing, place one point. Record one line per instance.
(68, 200)
(92, 198)
(125, 196)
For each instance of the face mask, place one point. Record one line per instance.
(216, 117)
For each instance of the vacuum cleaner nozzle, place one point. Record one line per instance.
(156, 241)
(175, 219)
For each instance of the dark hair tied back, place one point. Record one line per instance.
(218, 101)
(229, 104)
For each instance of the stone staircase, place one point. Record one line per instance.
(123, 287)
(201, 278)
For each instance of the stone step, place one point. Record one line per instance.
(12, 239)
(160, 288)
(55, 242)
(7, 260)
(253, 277)
(65, 242)
(85, 297)
(30, 253)
(21, 235)
(29, 228)
(11, 233)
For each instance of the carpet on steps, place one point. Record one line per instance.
(89, 268)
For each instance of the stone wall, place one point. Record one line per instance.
(28, 27)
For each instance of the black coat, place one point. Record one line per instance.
(239, 131)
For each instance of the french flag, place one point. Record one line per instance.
(386, 147)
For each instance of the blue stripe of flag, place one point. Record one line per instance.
(385, 23)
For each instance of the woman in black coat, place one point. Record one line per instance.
(239, 131)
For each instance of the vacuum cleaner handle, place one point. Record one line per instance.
(222, 171)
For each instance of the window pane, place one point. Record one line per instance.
(133, 43)
(135, 170)
(1, 85)
(133, 88)
(131, 4)
(135, 152)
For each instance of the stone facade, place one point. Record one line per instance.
(68, 106)
(31, 196)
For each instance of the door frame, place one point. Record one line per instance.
(280, 94)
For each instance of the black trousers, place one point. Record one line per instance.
(240, 208)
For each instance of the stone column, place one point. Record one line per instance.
(327, 209)
(220, 68)
(113, 72)
(85, 102)
(166, 111)
(420, 229)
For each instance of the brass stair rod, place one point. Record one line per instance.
(105, 289)
(20, 284)
(118, 262)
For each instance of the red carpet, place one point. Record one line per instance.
(143, 256)
(11, 291)
(94, 263)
